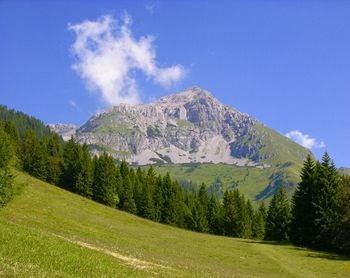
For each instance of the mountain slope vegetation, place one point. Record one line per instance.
(47, 231)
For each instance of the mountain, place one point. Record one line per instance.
(195, 137)
(187, 127)
(65, 130)
(344, 171)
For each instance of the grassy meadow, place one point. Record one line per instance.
(49, 232)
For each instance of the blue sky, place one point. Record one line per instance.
(287, 63)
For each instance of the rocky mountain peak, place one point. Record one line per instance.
(189, 95)
(187, 127)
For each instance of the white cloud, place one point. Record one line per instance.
(73, 104)
(149, 8)
(305, 140)
(107, 55)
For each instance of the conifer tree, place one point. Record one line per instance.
(105, 181)
(259, 222)
(328, 203)
(11, 129)
(215, 216)
(169, 197)
(278, 217)
(84, 177)
(39, 161)
(28, 146)
(54, 159)
(6, 157)
(127, 201)
(302, 226)
(71, 164)
(158, 199)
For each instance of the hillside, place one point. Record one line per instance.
(256, 183)
(46, 231)
(194, 128)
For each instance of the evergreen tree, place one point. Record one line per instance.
(169, 213)
(259, 222)
(158, 199)
(215, 216)
(328, 203)
(147, 209)
(11, 129)
(342, 236)
(84, 177)
(105, 181)
(278, 217)
(54, 159)
(6, 157)
(71, 164)
(124, 169)
(303, 230)
(28, 146)
(127, 200)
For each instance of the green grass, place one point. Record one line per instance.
(48, 232)
(250, 180)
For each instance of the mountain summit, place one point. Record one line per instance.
(187, 127)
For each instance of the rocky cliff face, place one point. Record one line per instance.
(188, 127)
(65, 130)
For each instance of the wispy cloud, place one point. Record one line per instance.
(150, 8)
(305, 140)
(107, 54)
(73, 104)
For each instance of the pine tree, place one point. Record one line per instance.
(158, 199)
(303, 230)
(328, 203)
(28, 146)
(71, 164)
(39, 161)
(6, 158)
(84, 177)
(105, 181)
(6, 149)
(259, 222)
(278, 217)
(54, 159)
(127, 201)
(146, 198)
(215, 216)
(11, 129)
(169, 213)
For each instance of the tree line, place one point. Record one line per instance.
(318, 216)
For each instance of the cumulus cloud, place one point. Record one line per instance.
(108, 54)
(305, 140)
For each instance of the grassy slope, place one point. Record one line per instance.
(47, 231)
(283, 155)
(252, 181)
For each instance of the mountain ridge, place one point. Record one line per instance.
(191, 126)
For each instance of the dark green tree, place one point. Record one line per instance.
(105, 181)
(215, 216)
(259, 222)
(278, 217)
(328, 203)
(6, 157)
(127, 201)
(303, 230)
(84, 177)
